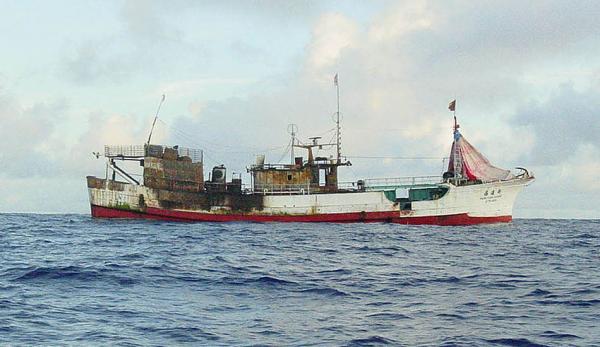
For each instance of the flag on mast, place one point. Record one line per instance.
(452, 105)
(335, 79)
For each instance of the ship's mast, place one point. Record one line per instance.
(337, 120)
(338, 135)
(457, 160)
(292, 130)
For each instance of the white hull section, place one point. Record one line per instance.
(328, 203)
(480, 200)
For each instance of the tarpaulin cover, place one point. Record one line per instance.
(475, 165)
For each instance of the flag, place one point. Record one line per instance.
(452, 105)
(335, 79)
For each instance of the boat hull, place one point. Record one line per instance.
(461, 205)
(370, 217)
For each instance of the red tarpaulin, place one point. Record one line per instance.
(474, 165)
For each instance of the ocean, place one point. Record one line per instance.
(74, 280)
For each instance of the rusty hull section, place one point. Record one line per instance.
(208, 201)
(136, 198)
(291, 177)
(170, 182)
(173, 172)
(296, 176)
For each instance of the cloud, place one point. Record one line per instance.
(102, 129)
(51, 140)
(94, 61)
(143, 40)
(332, 33)
(403, 19)
(145, 21)
(191, 87)
(566, 122)
(29, 136)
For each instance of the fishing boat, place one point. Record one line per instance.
(471, 191)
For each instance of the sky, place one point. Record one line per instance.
(76, 75)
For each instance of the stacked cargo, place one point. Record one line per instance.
(167, 170)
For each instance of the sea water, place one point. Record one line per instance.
(74, 280)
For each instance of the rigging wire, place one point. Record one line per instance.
(326, 132)
(332, 138)
(395, 158)
(188, 138)
(285, 152)
(209, 151)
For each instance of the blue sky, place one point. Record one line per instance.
(75, 75)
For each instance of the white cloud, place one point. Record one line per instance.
(332, 34)
(27, 134)
(192, 87)
(403, 19)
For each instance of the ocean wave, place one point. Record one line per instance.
(450, 316)
(560, 336)
(386, 250)
(260, 281)
(336, 272)
(538, 292)
(388, 316)
(73, 273)
(422, 281)
(271, 281)
(324, 291)
(374, 340)
(579, 303)
(63, 272)
(181, 334)
(520, 342)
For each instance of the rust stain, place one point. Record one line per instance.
(292, 177)
(173, 172)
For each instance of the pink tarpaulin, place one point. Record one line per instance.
(474, 165)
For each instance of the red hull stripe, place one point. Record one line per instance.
(389, 216)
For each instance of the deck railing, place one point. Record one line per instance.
(372, 184)
(401, 182)
(140, 151)
(281, 189)
(127, 151)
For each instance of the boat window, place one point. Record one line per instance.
(401, 193)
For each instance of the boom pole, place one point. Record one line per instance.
(155, 117)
